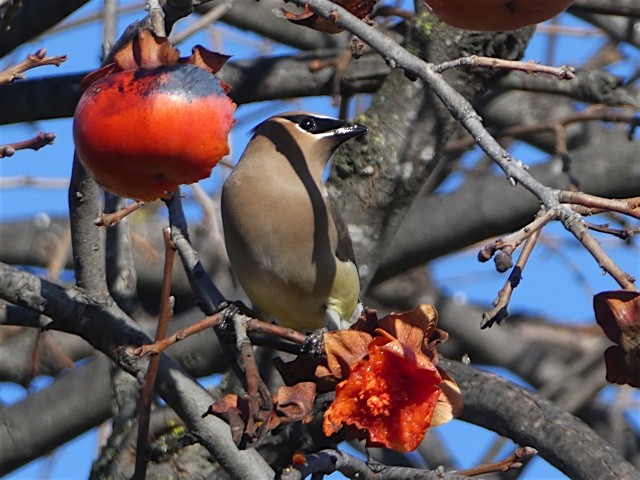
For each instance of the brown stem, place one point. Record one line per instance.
(563, 72)
(257, 392)
(35, 143)
(33, 60)
(147, 388)
(273, 330)
(159, 346)
(513, 241)
(580, 231)
(627, 206)
(111, 219)
(512, 461)
(623, 234)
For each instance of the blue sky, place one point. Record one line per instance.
(549, 286)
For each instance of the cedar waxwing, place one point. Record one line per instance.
(286, 242)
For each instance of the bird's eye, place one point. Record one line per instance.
(308, 124)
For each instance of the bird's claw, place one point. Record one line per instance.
(314, 344)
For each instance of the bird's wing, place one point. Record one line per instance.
(344, 249)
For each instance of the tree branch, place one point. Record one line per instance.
(281, 77)
(109, 330)
(529, 419)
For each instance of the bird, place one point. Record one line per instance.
(287, 244)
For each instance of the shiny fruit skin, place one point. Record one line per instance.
(496, 15)
(141, 133)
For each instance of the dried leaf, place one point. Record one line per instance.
(296, 402)
(147, 51)
(618, 314)
(343, 349)
(206, 59)
(232, 410)
(413, 326)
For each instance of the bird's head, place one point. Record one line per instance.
(308, 135)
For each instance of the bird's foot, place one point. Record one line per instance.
(314, 343)
(232, 308)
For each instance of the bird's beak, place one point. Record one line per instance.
(351, 131)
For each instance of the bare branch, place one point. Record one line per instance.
(33, 60)
(530, 419)
(203, 22)
(627, 206)
(108, 329)
(327, 461)
(35, 143)
(626, 8)
(111, 219)
(529, 67)
(147, 388)
(513, 461)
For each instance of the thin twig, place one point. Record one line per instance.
(563, 73)
(499, 312)
(580, 231)
(556, 126)
(627, 206)
(275, 331)
(36, 143)
(513, 241)
(147, 388)
(92, 17)
(512, 461)
(623, 234)
(203, 22)
(33, 60)
(111, 219)
(159, 346)
(255, 328)
(329, 461)
(258, 394)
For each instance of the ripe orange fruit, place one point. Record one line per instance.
(142, 132)
(496, 15)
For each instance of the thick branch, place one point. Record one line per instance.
(258, 17)
(591, 86)
(280, 77)
(34, 17)
(108, 329)
(40, 423)
(487, 206)
(628, 8)
(529, 419)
